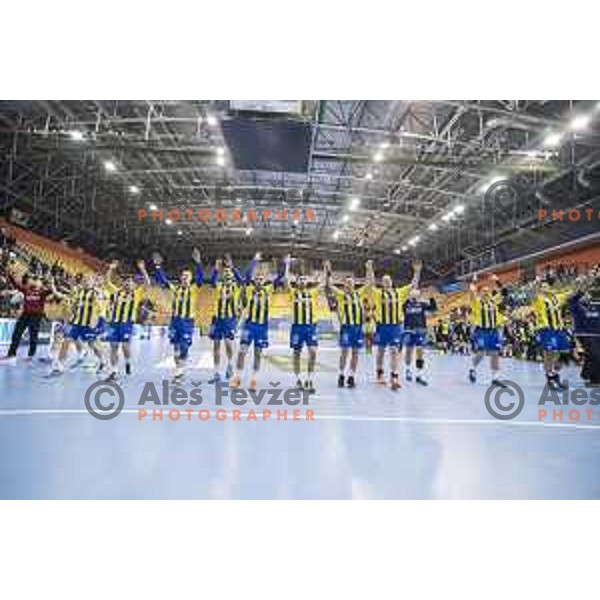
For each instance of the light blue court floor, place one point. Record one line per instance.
(438, 442)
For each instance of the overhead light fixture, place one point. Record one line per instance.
(221, 151)
(414, 241)
(447, 217)
(179, 232)
(109, 165)
(354, 203)
(76, 135)
(378, 156)
(346, 218)
(360, 243)
(459, 209)
(369, 176)
(580, 122)
(404, 248)
(384, 145)
(221, 161)
(249, 231)
(211, 120)
(169, 222)
(153, 207)
(553, 139)
(336, 234)
(134, 189)
(433, 227)
(397, 251)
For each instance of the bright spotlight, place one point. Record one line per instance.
(76, 135)
(354, 203)
(447, 217)
(211, 120)
(134, 189)
(369, 176)
(397, 251)
(249, 231)
(109, 165)
(153, 207)
(404, 248)
(433, 227)
(179, 232)
(378, 156)
(169, 222)
(459, 209)
(346, 218)
(384, 145)
(580, 122)
(552, 140)
(221, 151)
(336, 234)
(221, 161)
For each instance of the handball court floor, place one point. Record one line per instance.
(438, 442)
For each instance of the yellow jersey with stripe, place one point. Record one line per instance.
(350, 306)
(124, 306)
(183, 305)
(485, 312)
(258, 300)
(303, 304)
(226, 298)
(88, 306)
(389, 305)
(548, 310)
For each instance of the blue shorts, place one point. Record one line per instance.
(554, 340)
(416, 338)
(255, 333)
(388, 335)
(301, 334)
(181, 332)
(119, 332)
(486, 340)
(351, 336)
(83, 333)
(222, 329)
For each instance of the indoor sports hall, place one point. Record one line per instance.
(285, 299)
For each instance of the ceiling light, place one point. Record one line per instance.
(336, 234)
(414, 240)
(179, 232)
(369, 176)
(433, 227)
(397, 251)
(553, 139)
(76, 135)
(354, 203)
(580, 122)
(221, 151)
(134, 189)
(211, 120)
(169, 222)
(404, 248)
(378, 156)
(249, 231)
(153, 207)
(384, 145)
(447, 217)
(359, 243)
(221, 161)
(346, 218)
(109, 165)
(459, 209)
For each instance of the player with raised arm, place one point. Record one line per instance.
(227, 283)
(256, 298)
(389, 316)
(303, 294)
(349, 301)
(485, 318)
(124, 306)
(183, 308)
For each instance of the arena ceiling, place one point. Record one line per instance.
(457, 183)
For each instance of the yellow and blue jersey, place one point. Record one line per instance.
(185, 298)
(389, 305)
(485, 312)
(303, 304)
(258, 300)
(226, 297)
(350, 306)
(125, 306)
(88, 306)
(548, 310)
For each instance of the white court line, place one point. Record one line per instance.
(366, 418)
